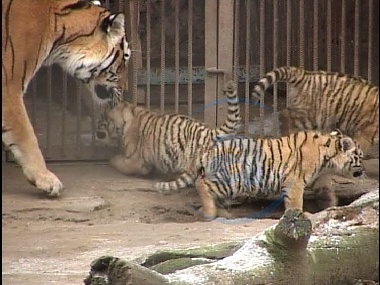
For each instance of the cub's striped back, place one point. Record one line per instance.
(324, 101)
(243, 166)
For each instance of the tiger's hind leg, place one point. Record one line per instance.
(18, 135)
(181, 182)
(131, 165)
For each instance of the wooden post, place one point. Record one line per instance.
(218, 57)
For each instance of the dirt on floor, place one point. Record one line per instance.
(53, 241)
(101, 212)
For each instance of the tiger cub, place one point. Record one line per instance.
(324, 101)
(165, 142)
(109, 270)
(242, 166)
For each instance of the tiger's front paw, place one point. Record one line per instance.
(46, 181)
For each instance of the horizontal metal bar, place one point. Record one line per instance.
(215, 70)
(198, 75)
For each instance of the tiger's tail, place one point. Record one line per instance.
(181, 182)
(233, 121)
(290, 74)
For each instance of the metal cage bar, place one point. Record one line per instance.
(48, 113)
(247, 65)
(275, 61)
(190, 58)
(343, 38)
(163, 42)
(315, 35)
(356, 38)
(176, 58)
(328, 39)
(148, 55)
(262, 59)
(370, 40)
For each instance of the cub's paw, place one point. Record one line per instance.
(47, 182)
(208, 214)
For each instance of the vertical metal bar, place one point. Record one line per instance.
(328, 38)
(236, 41)
(211, 60)
(34, 96)
(262, 60)
(148, 39)
(93, 125)
(190, 58)
(48, 118)
(343, 38)
(107, 4)
(64, 107)
(78, 115)
(176, 58)
(247, 64)
(315, 35)
(288, 41)
(135, 19)
(370, 40)
(162, 93)
(302, 33)
(356, 38)
(275, 59)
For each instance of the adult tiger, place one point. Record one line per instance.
(165, 142)
(84, 39)
(324, 101)
(240, 166)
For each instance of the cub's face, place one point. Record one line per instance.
(349, 158)
(114, 121)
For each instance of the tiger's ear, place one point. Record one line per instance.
(65, 7)
(96, 2)
(114, 25)
(336, 132)
(346, 144)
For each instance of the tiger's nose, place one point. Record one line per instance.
(101, 135)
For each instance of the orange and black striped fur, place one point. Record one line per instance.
(324, 101)
(164, 142)
(84, 39)
(242, 166)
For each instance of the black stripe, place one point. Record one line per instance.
(7, 15)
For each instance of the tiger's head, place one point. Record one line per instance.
(110, 79)
(347, 155)
(98, 58)
(114, 121)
